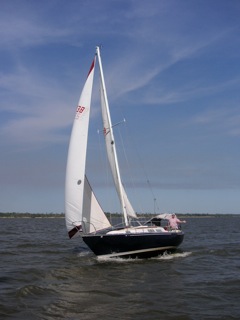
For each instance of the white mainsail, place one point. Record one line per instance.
(82, 211)
(110, 146)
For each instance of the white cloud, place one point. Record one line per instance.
(226, 119)
(36, 107)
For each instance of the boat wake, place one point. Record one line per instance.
(117, 259)
(165, 256)
(171, 256)
(84, 254)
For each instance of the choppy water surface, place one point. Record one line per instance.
(44, 275)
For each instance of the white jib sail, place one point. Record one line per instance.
(109, 139)
(93, 216)
(75, 173)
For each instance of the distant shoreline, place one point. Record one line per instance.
(14, 215)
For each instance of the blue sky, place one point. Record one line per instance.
(172, 70)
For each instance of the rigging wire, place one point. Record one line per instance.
(129, 167)
(143, 169)
(103, 161)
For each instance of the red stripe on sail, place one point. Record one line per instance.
(91, 68)
(72, 232)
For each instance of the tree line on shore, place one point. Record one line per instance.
(61, 215)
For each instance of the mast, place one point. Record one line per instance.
(113, 147)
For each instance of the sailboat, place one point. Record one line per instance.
(83, 214)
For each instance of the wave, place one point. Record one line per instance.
(165, 256)
(32, 290)
(171, 256)
(84, 254)
(118, 259)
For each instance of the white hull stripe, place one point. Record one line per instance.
(119, 254)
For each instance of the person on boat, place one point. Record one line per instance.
(174, 222)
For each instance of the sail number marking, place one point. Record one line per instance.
(79, 110)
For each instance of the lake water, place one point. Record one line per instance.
(44, 275)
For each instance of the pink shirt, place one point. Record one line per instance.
(173, 222)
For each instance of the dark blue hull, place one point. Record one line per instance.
(143, 245)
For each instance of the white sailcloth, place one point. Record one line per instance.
(109, 139)
(80, 201)
(94, 218)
